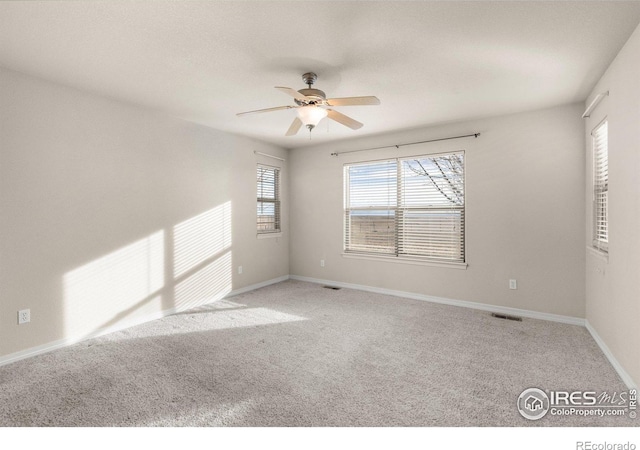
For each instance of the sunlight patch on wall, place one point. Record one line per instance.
(201, 238)
(108, 288)
(211, 283)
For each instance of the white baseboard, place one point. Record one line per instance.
(626, 378)
(34, 351)
(50, 346)
(447, 301)
(55, 345)
(253, 287)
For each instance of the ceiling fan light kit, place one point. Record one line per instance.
(312, 106)
(311, 115)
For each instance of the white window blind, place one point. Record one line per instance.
(406, 207)
(601, 187)
(268, 179)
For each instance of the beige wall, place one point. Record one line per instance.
(613, 284)
(524, 213)
(110, 213)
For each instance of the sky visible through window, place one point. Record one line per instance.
(432, 182)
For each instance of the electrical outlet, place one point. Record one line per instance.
(513, 284)
(24, 316)
(239, 270)
(322, 263)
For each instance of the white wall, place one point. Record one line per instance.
(524, 213)
(110, 213)
(613, 284)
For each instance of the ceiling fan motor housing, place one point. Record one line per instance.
(317, 97)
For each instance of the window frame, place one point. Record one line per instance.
(276, 201)
(400, 208)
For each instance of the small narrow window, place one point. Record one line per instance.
(601, 187)
(268, 199)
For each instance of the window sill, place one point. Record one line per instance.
(598, 253)
(417, 262)
(269, 235)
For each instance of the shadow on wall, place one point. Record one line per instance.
(174, 269)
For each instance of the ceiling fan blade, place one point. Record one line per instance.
(277, 108)
(353, 101)
(292, 92)
(344, 120)
(295, 127)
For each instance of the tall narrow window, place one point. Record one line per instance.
(406, 207)
(268, 199)
(601, 187)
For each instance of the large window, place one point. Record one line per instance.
(407, 207)
(268, 199)
(601, 187)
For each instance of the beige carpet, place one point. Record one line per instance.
(296, 354)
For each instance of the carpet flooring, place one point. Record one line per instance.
(298, 354)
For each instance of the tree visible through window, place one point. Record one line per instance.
(411, 207)
(268, 179)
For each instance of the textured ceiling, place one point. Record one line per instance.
(428, 62)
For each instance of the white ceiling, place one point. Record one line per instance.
(428, 62)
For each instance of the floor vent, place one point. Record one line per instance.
(332, 287)
(505, 316)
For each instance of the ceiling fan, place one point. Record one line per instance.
(312, 106)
